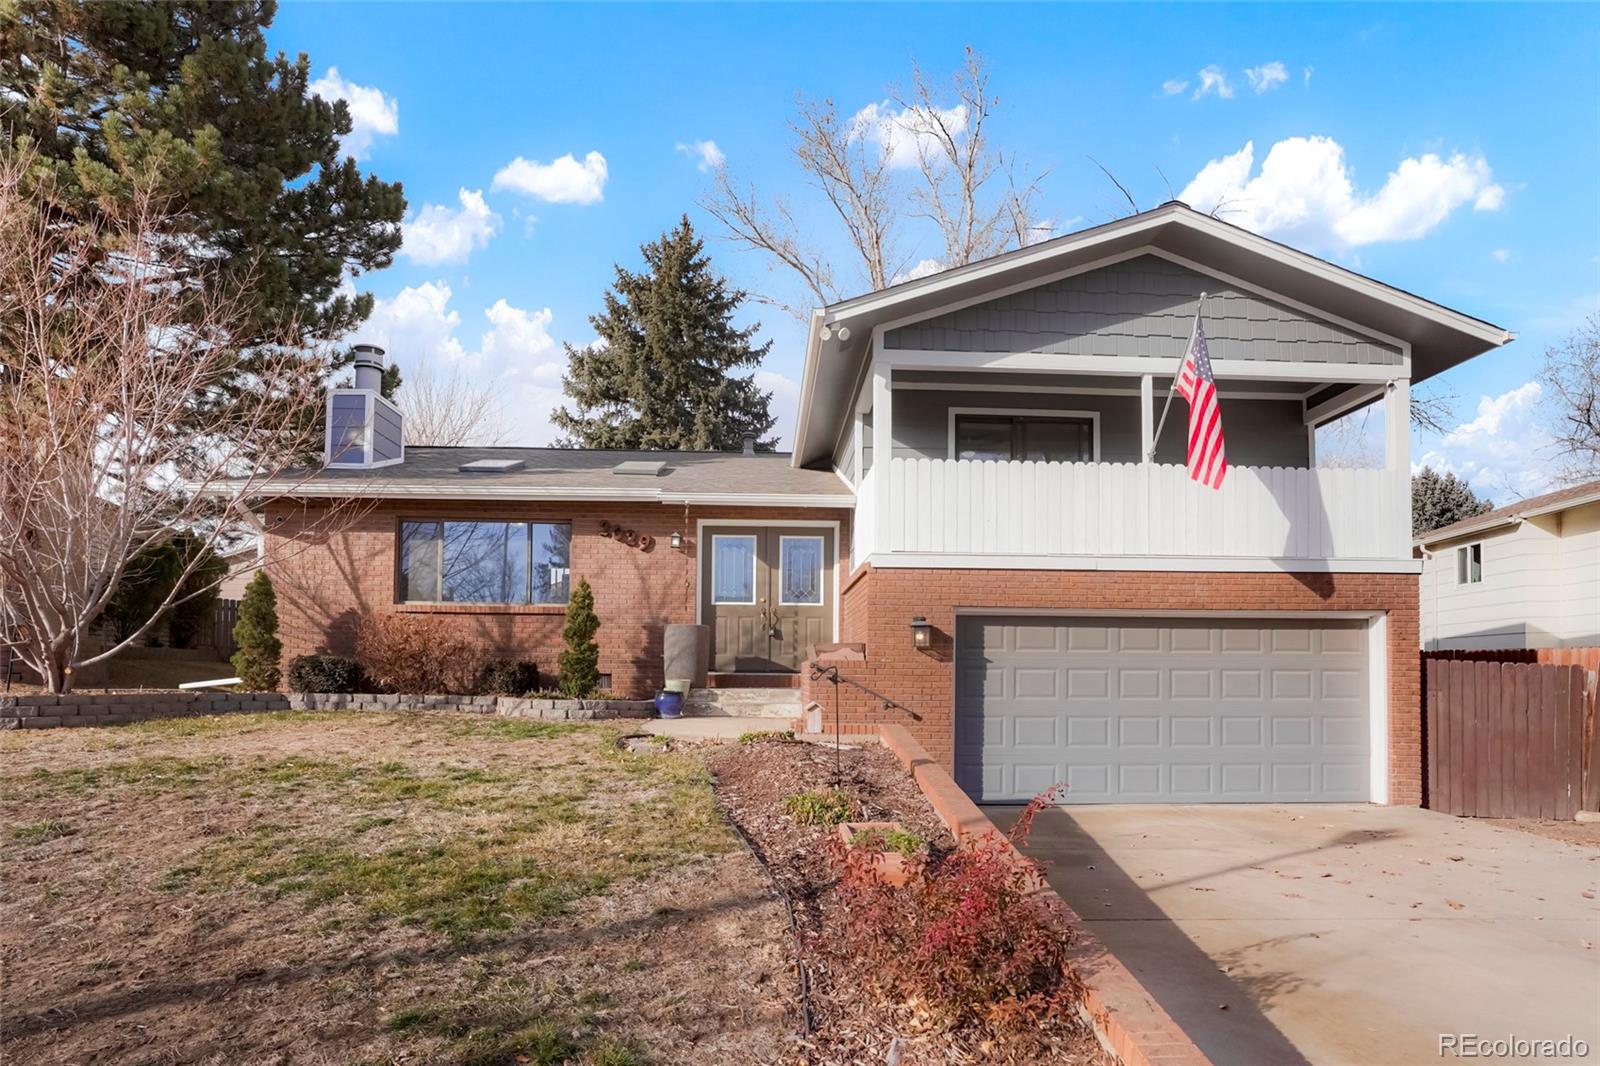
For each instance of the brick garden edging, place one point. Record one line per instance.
(46, 711)
(1126, 1018)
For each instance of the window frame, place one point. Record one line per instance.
(1017, 414)
(755, 558)
(822, 569)
(400, 582)
(1469, 564)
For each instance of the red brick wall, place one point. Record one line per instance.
(880, 603)
(330, 571)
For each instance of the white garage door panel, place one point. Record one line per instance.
(1162, 710)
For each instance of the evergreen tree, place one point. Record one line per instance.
(245, 161)
(256, 633)
(663, 374)
(1440, 499)
(578, 667)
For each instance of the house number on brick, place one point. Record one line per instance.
(627, 536)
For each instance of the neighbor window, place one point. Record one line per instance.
(1469, 564)
(485, 562)
(1038, 437)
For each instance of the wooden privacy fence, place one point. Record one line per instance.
(224, 616)
(1510, 739)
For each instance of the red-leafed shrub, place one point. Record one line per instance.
(970, 940)
(417, 654)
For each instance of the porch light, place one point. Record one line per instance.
(676, 541)
(921, 633)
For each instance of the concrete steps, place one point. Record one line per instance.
(781, 703)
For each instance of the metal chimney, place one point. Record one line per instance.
(369, 367)
(749, 444)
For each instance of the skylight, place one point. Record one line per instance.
(491, 466)
(640, 467)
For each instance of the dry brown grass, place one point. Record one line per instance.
(377, 888)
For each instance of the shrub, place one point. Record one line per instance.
(325, 673)
(416, 654)
(968, 940)
(823, 807)
(256, 634)
(508, 677)
(579, 665)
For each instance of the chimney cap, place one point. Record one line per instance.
(749, 444)
(368, 353)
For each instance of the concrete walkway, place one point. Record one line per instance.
(1336, 934)
(711, 726)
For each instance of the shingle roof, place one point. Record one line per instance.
(1534, 505)
(580, 473)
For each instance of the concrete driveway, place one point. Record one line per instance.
(1336, 934)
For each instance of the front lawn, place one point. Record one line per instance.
(378, 888)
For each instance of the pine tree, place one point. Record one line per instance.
(247, 162)
(579, 665)
(256, 633)
(663, 372)
(1440, 499)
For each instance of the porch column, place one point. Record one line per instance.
(882, 454)
(1147, 417)
(1397, 424)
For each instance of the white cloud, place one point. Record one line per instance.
(920, 270)
(436, 234)
(1267, 76)
(1501, 255)
(1213, 81)
(1308, 73)
(372, 114)
(560, 181)
(515, 351)
(1503, 451)
(711, 156)
(1304, 193)
(906, 134)
(1174, 86)
(785, 402)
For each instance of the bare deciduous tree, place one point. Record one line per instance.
(1571, 382)
(857, 164)
(446, 408)
(112, 439)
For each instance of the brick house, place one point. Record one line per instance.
(985, 523)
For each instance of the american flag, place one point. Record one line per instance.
(1208, 461)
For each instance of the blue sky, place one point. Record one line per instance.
(1452, 151)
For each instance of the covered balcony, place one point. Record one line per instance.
(1014, 467)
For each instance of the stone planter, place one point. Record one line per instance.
(890, 867)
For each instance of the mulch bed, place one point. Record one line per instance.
(848, 1025)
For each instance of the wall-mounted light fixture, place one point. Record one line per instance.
(677, 541)
(921, 633)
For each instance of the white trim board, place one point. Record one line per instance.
(952, 413)
(1173, 563)
(1088, 390)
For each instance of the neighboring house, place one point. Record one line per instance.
(972, 454)
(1523, 576)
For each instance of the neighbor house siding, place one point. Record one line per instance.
(1579, 583)
(1518, 604)
(1141, 307)
(879, 605)
(340, 573)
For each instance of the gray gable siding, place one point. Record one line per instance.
(1142, 307)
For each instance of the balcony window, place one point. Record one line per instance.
(485, 562)
(1469, 564)
(1039, 437)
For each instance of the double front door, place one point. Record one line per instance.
(766, 592)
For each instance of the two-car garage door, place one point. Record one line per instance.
(1162, 710)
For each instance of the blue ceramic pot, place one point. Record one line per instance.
(669, 704)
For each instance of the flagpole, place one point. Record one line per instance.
(1171, 389)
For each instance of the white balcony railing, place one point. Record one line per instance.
(1126, 509)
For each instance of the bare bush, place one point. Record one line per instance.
(119, 424)
(417, 654)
